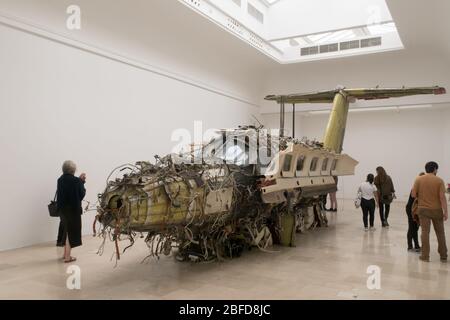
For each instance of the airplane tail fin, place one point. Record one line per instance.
(335, 132)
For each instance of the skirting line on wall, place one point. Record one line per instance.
(31, 28)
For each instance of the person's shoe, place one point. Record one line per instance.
(366, 229)
(410, 249)
(386, 224)
(444, 260)
(424, 259)
(372, 229)
(71, 259)
(418, 249)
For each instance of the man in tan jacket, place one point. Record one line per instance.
(432, 208)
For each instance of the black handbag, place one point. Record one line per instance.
(53, 208)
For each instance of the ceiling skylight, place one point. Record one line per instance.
(291, 31)
(332, 36)
(270, 2)
(382, 28)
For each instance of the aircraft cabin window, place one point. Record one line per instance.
(334, 164)
(300, 163)
(325, 164)
(313, 166)
(287, 163)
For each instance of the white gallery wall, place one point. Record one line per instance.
(445, 170)
(58, 102)
(402, 142)
(158, 34)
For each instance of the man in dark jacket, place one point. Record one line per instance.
(70, 193)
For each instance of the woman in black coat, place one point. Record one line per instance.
(70, 193)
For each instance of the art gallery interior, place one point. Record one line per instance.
(106, 83)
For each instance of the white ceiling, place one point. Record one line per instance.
(292, 31)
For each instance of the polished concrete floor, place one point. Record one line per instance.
(328, 263)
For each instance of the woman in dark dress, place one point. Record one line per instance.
(386, 193)
(70, 193)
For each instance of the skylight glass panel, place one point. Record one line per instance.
(378, 29)
(237, 2)
(255, 13)
(304, 41)
(349, 34)
(282, 44)
(338, 36)
(315, 38)
(270, 2)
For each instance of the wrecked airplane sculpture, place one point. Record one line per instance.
(221, 198)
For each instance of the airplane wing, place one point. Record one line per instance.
(378, 93)
(314, 97)
(365, 94)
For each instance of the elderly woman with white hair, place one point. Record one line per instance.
(70, 193)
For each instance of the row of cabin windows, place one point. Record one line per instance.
(313, 165)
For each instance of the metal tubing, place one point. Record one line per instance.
(293, 120)
(282, 117)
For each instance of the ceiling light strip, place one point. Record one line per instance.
(329, 31)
